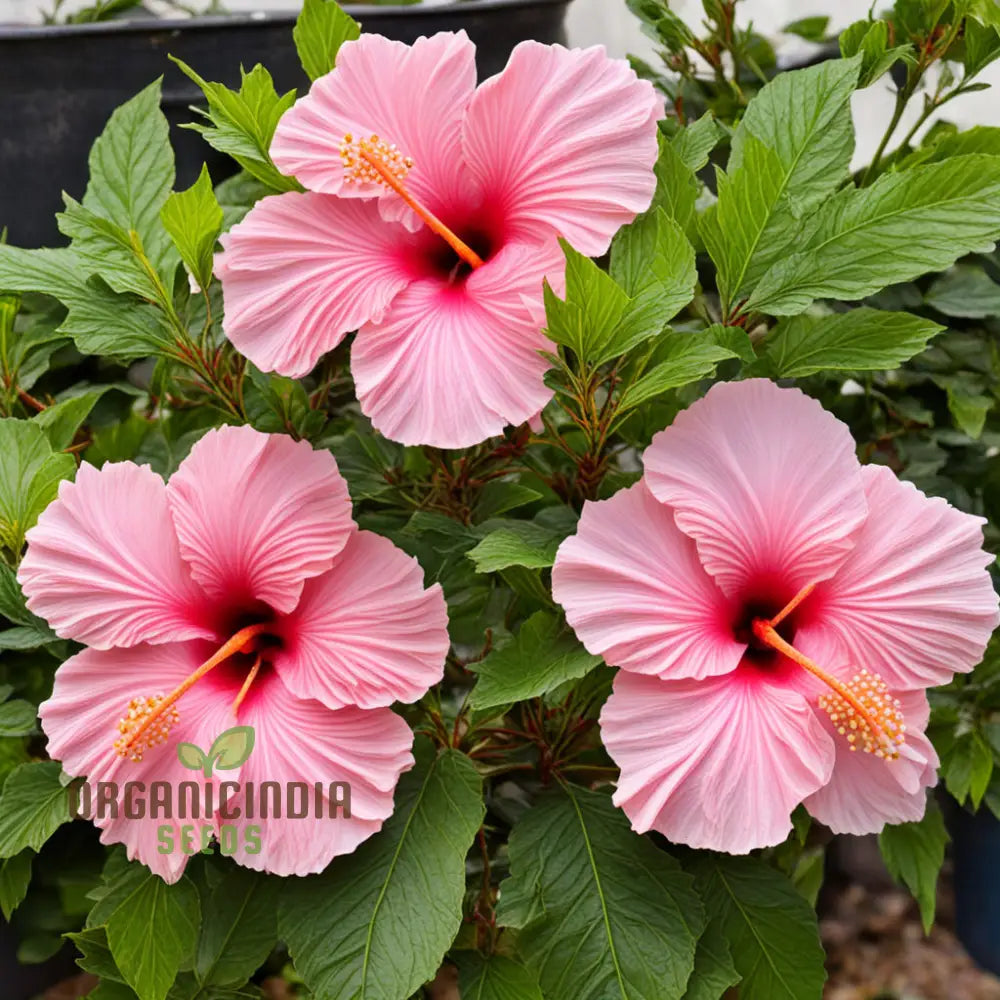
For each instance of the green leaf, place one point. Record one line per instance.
(681, 358)
(771, 929)
(152, 928)
(654, 263)
(12, 604)
(15, 877)
(99, 321)
(981, 139)
(95, 954)
(714, 971)
(495, 977)
(193, 218)
(695, 141)
(982, 46)
(242, 123)
(677, 187)
(792, 148)
(914, 854)
(239, 927)
(132, 171)
(17, 718)
(191, 756)
(342, 928)
(871, 39)
(967, 765)
(518, 543)
(966, 291)
(33, 805)
(29, 479)
(322, 27)
(62, 420)
(601, 913)
(812, 29)
(858, 340)
(232, 748)
(968, 409)
(542, 655)
(589, 317)
(861, 240)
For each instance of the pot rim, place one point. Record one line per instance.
(373, 12)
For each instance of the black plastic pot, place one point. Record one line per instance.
(59, 84)
(976, 852)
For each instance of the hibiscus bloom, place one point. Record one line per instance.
(239, 593)
(778, 611)
(431, 220)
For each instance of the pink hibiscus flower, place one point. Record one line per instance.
(777, 611)
(240, 593)
(431, 220)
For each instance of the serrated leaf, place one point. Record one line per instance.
(518, 543)
(342, 927)
(494, 977)
(859, 340)
(15, 876)
(30, 474)
(792, 148)
(242, 123)
(914, 854)
(654, 263)
(871, 40)
(677, 187)
(966, 291)
(99, 321)
(968, 409)
(861, 240)
(681, 358)
(152, 928)
(12, 604)
(17, 718)
(322, 27)
(132, 170)
(601, 913)
(714, 971)
(543, 655)
(239, 927)
(95, 953)
(193, 218)
(62, 420)
(772, 931)
(33, 805)
(232, 748)
(695, 141)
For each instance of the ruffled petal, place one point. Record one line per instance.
(865, 792)
(452, 365)
(91, 693)
(718, 763)
(301, 741)
(410, 96)
(258, 514)
(103, 565)
(366, 633)
(914, 600)
(303, 270)
(765, 481)
(565, 141)
(636, 594)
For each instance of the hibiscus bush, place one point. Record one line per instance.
(502, 532)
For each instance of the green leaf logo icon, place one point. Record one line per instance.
(230, 749)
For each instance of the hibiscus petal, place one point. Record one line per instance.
(636, 594)
(565, 141)
(410, 96)
(303, 270)
(913, 600)
(718, 763)
(764, 480)
(451, 365)
(865, 792)
(91, 693)
(366, 633)
(258, 514)
(103, 565)
(303, 741)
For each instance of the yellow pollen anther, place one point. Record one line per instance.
(862, 710)
(375, 161)
(144, 726)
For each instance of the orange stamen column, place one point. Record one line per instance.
(862, 709)
(144, 726)
(375, 161)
